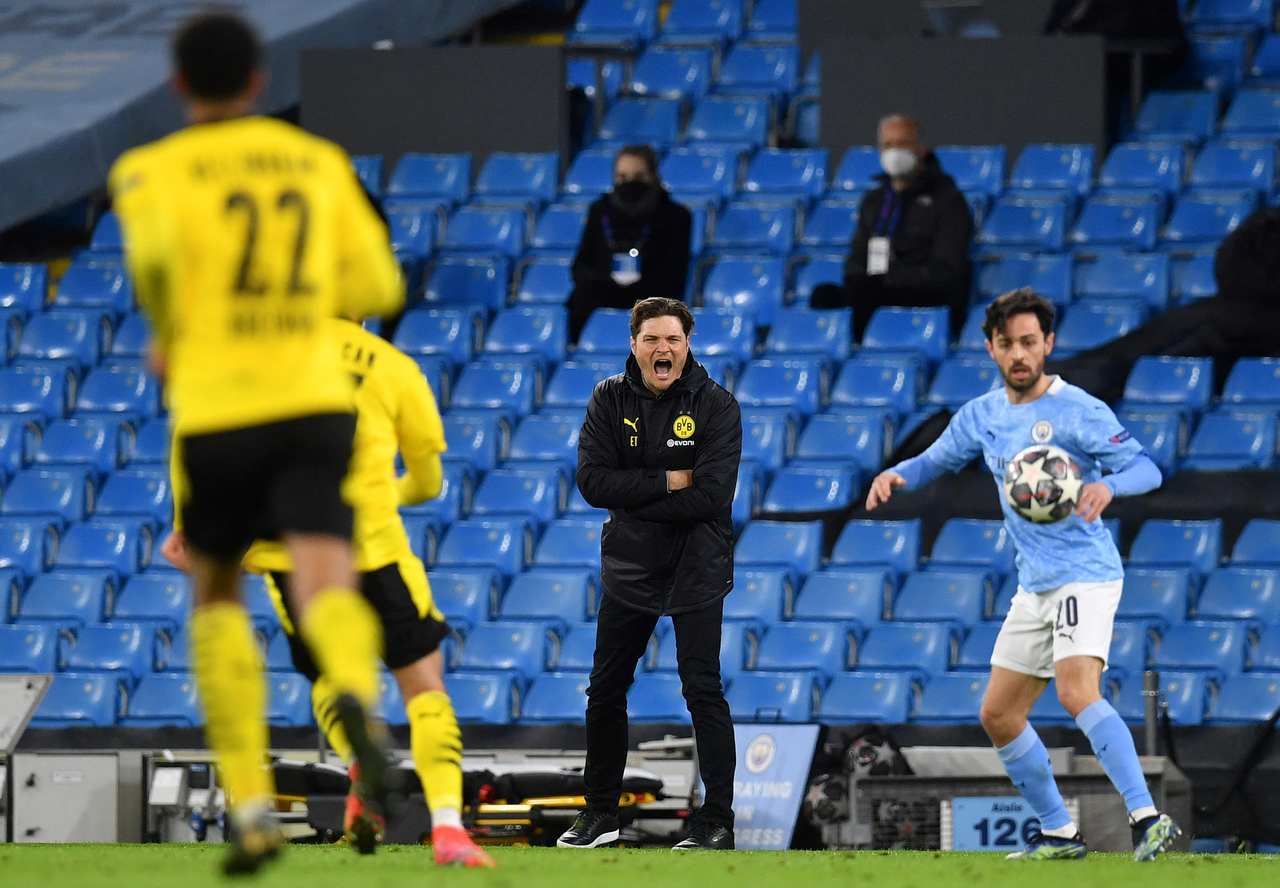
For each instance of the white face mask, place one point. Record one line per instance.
(898, 162)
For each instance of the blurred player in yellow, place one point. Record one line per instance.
(243, 235)
(395, 412)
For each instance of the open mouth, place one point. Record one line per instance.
(662, 368)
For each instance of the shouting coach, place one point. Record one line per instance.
(659, 449)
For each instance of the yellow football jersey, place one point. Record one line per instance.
(241, 236)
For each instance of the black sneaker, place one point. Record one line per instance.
(706, 836)
(591, 829)
(254, 843)
(374, 785)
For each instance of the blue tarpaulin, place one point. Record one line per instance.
(83, 80)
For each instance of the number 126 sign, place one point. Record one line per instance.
(991, 823)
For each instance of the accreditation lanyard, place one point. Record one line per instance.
(890, 215)
(608, 232)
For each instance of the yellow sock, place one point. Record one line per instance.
(346, 641)
(233, 691)
(322, 694)
(436, 744)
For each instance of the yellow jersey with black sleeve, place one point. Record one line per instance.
(241, 237)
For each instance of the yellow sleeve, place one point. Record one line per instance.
(134, 199)
(420, 433)
(177, 481)
(370, 281)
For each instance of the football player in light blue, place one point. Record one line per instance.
(1069, 572)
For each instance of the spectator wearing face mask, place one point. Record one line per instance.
(911, 246)
(635, 244)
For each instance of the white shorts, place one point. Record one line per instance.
(1074, 620)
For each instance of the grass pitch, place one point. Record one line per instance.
(310, 866)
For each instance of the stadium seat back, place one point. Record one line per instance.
(28, 647)
(556, 698)
(1258, 543)
(91, 442)
(831, 224)
(496, 385)
(1153, 593)
(796, 545)
(824, 332)
(845, 595)
(119, 389)
(895, 544)
(861, 435)
(570, 542)
(1253, 381)
(503, 544)
(927, 647)
(1031, 223)
(565, 595)
(1235, 164)
(798, 171)
(79, 699)
(755, 228)
(773, 697)
(1125, 275)
(642, 120)
(28, 545)
(791, 383)
(1118, 221)
(95, 281)
(466, 595)
(577, 651)
(574, 382)
(1183, 382)
(960, 380)
(1241, 593)
(1233, 439)
(507, 174)
(591, 173)
(876, 697)
(1144, 165)
(546, 281)
(668, 73)
(122, 649)
(974, 167)
(804, 488)
(749, 284)
(432, 175)
(523, 647)
(1193, 544)
(1203, 645)
(560, 228)
(137, 492)
(1050, 166)
(1182, 114)
(734, 120)
(23, 285)
(950, 699)
(1047, 274)
(532, 329)
(484, 697)
(868, 381)
(164, 701)
(963, 597)
(922, 330)
(65, 493)
(493, 230)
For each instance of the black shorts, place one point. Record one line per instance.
(408, 636)
(263, 481)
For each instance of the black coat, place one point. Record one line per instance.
(663, 240)
(929, 246)
(660, 552)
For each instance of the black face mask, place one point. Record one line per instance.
(634, 198)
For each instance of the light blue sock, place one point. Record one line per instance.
(1113, 745)
(1026, 761)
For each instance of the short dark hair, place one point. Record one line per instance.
(1021, 301)
(216, 53)
(660, 307)
(645, 153)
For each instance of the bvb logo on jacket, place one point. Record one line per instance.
(683, 428)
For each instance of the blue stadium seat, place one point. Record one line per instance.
(18, 440)
(875, 697)
(590, 174)
(574, 381)
(766, 441)
(1004, 599)
(138, 493)
(1152, 593)
(747, 494)
(1203, 645)
(921, 330)
(368, 169)
(490, 230)
(793, 544)
(667, 73)
(859, 170)
(830, 224)
(845, 595)
(1027, 222)
(1241, 593)
(161, 701)
(699, 22)
(577, 650)
(722, 332)
(1266, 652)
(1118, 220)
(1193, 544)
(1144, 165)
(1264, 68)
(756, 69)
(773, 697)
(973, 543)
(794, 172)
(546, 280)
(751, 284)
(503, 544)
(570, 542)
(1253, 113)
(1207, 216)
(868, 381)
(648, 121)
(555, 698)
(657, 698)
(1186, 383)
(131, 338)
(125, 650)
(580, 508)
(1193, 278)
(1050, 166)
(974, 167)
(955, 596)
(534, 492)
(539, 330)
(616, 24)
(857, 436)
(1228, 440)
(607, 331)
(288, 700)
(70, 599)
(64, 494)
(465, 595)
(1217, 61)
(960, 380)
(760, 595)
(1185, 693)
(804, 331)
(477, 438)
(27, 545)
(950, 699)
(1246, 698)
(127, 391)
(975, 650)
(561, 596)
(580, 73)
(524, 647)
(773, 20)
(157, 597)
(507, 175)
(72, 337)
(28, 647)
(731, 120)
(1047, 274)
(90, 442)
(95, 281)
(1094, 323)
(1111, 275)
(501, 385)
(802, 488)
(23, 286)
(445, 176)
(1131, 644)
(700, 170)
(1253, 382)
(150, 443)
(548, 437)
(483, 698)
(559, 229)
(1183, 115)
(1236, 164)
(79, 700)
(924, 647)
(791, 384)
(450, 332)
(1258, 543)
(892, 544)
(412, 223)
(755, 228)
(825, 648)
(737, 650)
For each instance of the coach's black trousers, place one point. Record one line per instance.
(622, 636)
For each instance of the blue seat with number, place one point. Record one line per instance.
(962, 597)
(496, 384)
(825, 648)
(1091, 324)
(577, 650)
(1228, 440)
(23, 286)
(570, 542)
(925, 647)
(1206, 217)
(760, 595)
(619, 24)
(158, 597)
(975, 650)
(483, 697)
(136, 492)
(845, 595)
(466, 595)
(649, 121)
(697, 22)
(773, 697)
(1182, 115)
(79, 699)
(1193, 544)
(793, 172)
(539, 330)
(126, 390)
(870, 381)
(523, 647)
(750, 284)
(1253, 382)
(68, 598)
(546, 280)
(803, 331)
(808, 487)
(669, 73)
(860, 436)
(1241, 593)
(1231, 163)
(875, 697)
(28, 647)
(792, 384)
(547, 437)
(125, 650)
(501, 543)
(755, 228)
(1047, 274)
(519, 176)
(161, 701)
(892, 544)
(574, 381)
(1153, 593)
(1246, 698)
(1144, 165)
(445, 176)
(91, 442)
(1185, 693)
(1118, 220)
(950, 699)
(555, 698)
(974, 167)
(960, 380)
(920, 330)
(71, 337)
(590, 174)
(493, 230)
(1125, 275)
(1203, 645)
(537, 493)
(793, 544)
(412, 224)
(730, 120)
(1053, 166)
(757, 69)
(1026, 222)
(28, 545)
(563, 596)
(476, 437)
(700, 169)
(1170, 381)
(831, 224)
(65, 493)
(1254, 113)
(1258, 543)
(559, 229)
(95, 281)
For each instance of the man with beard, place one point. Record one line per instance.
(635, 244)
(1069, 573)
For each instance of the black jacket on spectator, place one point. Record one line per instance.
(660, 233)
(929, 249)
(662, 553)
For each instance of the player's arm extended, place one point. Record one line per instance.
(1138, 477)
(420, 435)
(955, 447)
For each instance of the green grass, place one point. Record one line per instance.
(305, 866)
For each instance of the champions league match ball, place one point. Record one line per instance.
(1043, 483)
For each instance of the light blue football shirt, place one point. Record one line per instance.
(1048, 555)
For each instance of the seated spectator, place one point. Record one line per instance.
(911, 246)
(635, 244)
